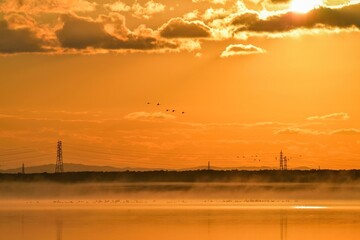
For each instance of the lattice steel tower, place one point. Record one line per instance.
(281, 161)
(59, 168)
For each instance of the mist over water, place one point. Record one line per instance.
(179, 190)
(179, 210)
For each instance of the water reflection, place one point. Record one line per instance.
(180, 224)
(283, 225)
(22, 227)
(59, 229)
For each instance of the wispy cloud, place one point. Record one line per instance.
(296, 130)
(149, 116)
(332, 116)
(348, 131)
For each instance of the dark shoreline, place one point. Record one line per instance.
(236, 176)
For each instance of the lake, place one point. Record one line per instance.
(176, 219)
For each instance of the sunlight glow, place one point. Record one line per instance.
(304, 6)
(310, 207)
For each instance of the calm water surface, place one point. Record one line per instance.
(199, 221)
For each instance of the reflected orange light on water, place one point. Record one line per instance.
(310, 207)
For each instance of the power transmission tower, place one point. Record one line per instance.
(23, 169)
(285, 163)
(59, 168)
(281, 161)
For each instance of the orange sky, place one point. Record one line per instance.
(253, 78)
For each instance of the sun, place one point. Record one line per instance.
(304, 6)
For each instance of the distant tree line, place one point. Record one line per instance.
(276, 176)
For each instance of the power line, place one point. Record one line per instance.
(26, 158)
(76, 146)
(5, 151)
(122, 161)
(116, 155)
(16, 153)
(27, 146)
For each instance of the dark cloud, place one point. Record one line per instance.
(280, 1)
(20, 40)
(179, 28)
(345, 17)
(81, 33)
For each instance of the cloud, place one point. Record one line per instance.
(180, 28)
(149, 116)
(6, 116)
(238, 124)
(240, 50)
(118, 6)
(214, 14)
(47, 6)
(19, 40)
(291, 131)
(33, 119)
(20, 33)
(108, 32)
(222, 2)
(139, 11)
(322, 17)
(280, 1)
(147, 10)
(333, 116)
(82, 33)
(191, 15)
(349, 131)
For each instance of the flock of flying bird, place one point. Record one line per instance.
(167, 110)
(253, 157)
